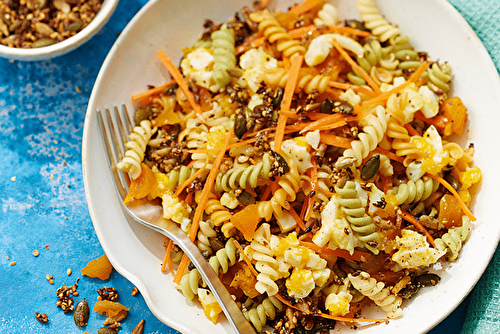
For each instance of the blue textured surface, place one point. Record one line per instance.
(42, 198)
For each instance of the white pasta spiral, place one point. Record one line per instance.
(136, 147)
(377, 292)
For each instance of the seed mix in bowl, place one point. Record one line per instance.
(38, 23)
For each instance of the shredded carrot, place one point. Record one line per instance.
(438, 121)
(355, 88)
(263, 4)
(167, 260)
(411, 219)
(304, 7)
(314, 184)
(356, 67)
(252, 43)
(324, 315)
(454, 193)
(305, 205)
(184, 184)
(326, 120)
(177, 75)
(307, 30)
(327, 316)
(189, 198)
(358, 256)
(287, 100)
(334, 140)
(195, 224)
(245, 258)
(297, 219)
(389, 154)
(150, 92)
(146, 101)
(411, 130)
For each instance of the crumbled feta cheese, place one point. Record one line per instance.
(252, 62)
(197, 65)
(431, 105)
(300, 283)
(229, 200)
(296, 149)
(173, 208)
(414, 250)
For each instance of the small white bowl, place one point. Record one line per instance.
(58, 49)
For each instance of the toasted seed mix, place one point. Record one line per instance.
(135, 291)
(39, 23)
(107, 293)
(64, 297)
(35, 253)
(42, 317)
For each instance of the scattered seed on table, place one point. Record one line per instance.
(13, 263)
(69, 271)
(35, 253)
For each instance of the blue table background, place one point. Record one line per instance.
(42, 202)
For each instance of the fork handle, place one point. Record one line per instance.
(229, 307)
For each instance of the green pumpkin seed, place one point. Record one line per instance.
(245, 198)
(282, 164)
(106, 330)
(240, 125)
(170, 89)
(142, 114)
(428, 279)
(81, 313)
(452, 181)
(326, 107)
(75, 26)
(43, 42)
(277, 98)
(370, 168)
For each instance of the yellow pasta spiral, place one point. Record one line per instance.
(277, 35)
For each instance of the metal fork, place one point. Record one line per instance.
(114, 126)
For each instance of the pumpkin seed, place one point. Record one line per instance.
(106, 330)
(277, 98)
(170, 89)
(245, 198)
(370, 168)
(326, 107)
(240, 125)
(428, 279)
(342, 107)
(173, 131)
(43, 42)
(75, 26)
(452, 181)
(356, 24)
(62, 6)
(142, 114)
(215, 244)
(81, 313)
(43, 29)
(282, 164)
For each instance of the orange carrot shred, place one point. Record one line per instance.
(357, 89)
(184, 184)
(245, 258)
(334, 140)
(389, 154)
(307, 30)
(207, 188)
(454, 193)
(411, 219)
(304, 6)
(324, 315)
(287, 100)
(411, 130)
(356, 67)
(314, 185)
(358, 256)
(151, 91)
(297, 219)
(177, 75)
(167, 260)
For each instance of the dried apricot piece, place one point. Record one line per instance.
(109, 308)
(142, 186)
(98, 268)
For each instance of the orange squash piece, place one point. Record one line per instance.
(450, 211)
(98, 268)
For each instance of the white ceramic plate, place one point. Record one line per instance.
(136, 252)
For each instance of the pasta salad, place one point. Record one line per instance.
(312, 161)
